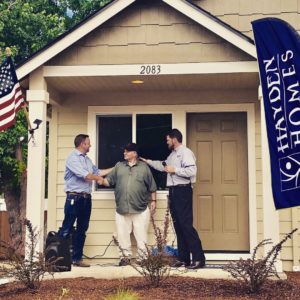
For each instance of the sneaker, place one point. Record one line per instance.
(124, 262)
(80, 263)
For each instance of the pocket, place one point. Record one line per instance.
(139, 178)
(71, 203)
(71, 200)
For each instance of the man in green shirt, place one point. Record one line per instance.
(134, 187)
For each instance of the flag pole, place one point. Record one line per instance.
(8, 54)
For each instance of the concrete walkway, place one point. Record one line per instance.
(113, 271)
(109, 271)
(103, 269)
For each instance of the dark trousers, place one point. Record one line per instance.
(76, 208)
(181, 208)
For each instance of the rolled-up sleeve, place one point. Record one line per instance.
(112, 176)
(151, 185)
(96, 171)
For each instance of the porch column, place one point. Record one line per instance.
(38, 100)
(270, 214)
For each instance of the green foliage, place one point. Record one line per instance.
(26, 26)
(76, 10)
(64, 294)
(123, 294)
(31, 269)
(10, 167)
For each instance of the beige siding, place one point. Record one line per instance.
(240, 13)
(70, 122)
(153, 33)
(259, 200)
(156, 33)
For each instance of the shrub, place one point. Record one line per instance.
(64, 293)
(155, 266)
(123, 294)
(253, 272)
(31, 269)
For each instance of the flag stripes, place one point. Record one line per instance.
(11, 98)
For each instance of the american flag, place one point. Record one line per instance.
(11, 98)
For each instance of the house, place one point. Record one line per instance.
(136, 68)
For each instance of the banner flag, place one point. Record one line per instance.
(11, 98)
(278, 54)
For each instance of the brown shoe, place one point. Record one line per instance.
(80, 263)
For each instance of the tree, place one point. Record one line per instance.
(27, 26)
(13, 176)
(76, 10)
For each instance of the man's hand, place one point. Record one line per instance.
(152, 207)
(143, 159)
(100, 181)
(170, 169)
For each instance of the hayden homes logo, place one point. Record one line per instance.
(278, 55)
(284, 99)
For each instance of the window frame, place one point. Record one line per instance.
(95, 111)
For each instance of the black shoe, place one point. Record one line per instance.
(178, 264)
(124, 262)
(197, 265)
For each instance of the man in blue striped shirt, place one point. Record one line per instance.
(80, 172)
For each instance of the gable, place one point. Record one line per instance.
(149, 33)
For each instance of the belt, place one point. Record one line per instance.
(179, 185)
(84, 195)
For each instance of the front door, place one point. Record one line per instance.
(221, 209)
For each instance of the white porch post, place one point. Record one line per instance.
(270, 215)
(38, 100)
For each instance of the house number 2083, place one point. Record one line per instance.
(150, 70)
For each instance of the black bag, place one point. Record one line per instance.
(58, 248)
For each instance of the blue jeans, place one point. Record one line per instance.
(76, 208)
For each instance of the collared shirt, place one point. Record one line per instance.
(184, 161)
(78, 166)
(133, 185)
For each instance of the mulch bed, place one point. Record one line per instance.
(174, 288)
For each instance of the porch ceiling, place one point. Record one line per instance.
(94, 84)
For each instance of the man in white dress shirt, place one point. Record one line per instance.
(181, 169)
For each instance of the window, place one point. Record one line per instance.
(115, 131)
(151, 134)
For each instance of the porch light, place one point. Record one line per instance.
(137, 81)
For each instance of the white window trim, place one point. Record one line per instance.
(93, 113)
(179, 115)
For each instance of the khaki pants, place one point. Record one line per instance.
(138, 223)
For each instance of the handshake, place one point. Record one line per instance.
(101, 180)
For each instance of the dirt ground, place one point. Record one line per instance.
(174, 288)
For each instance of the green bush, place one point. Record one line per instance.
(123, 294)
